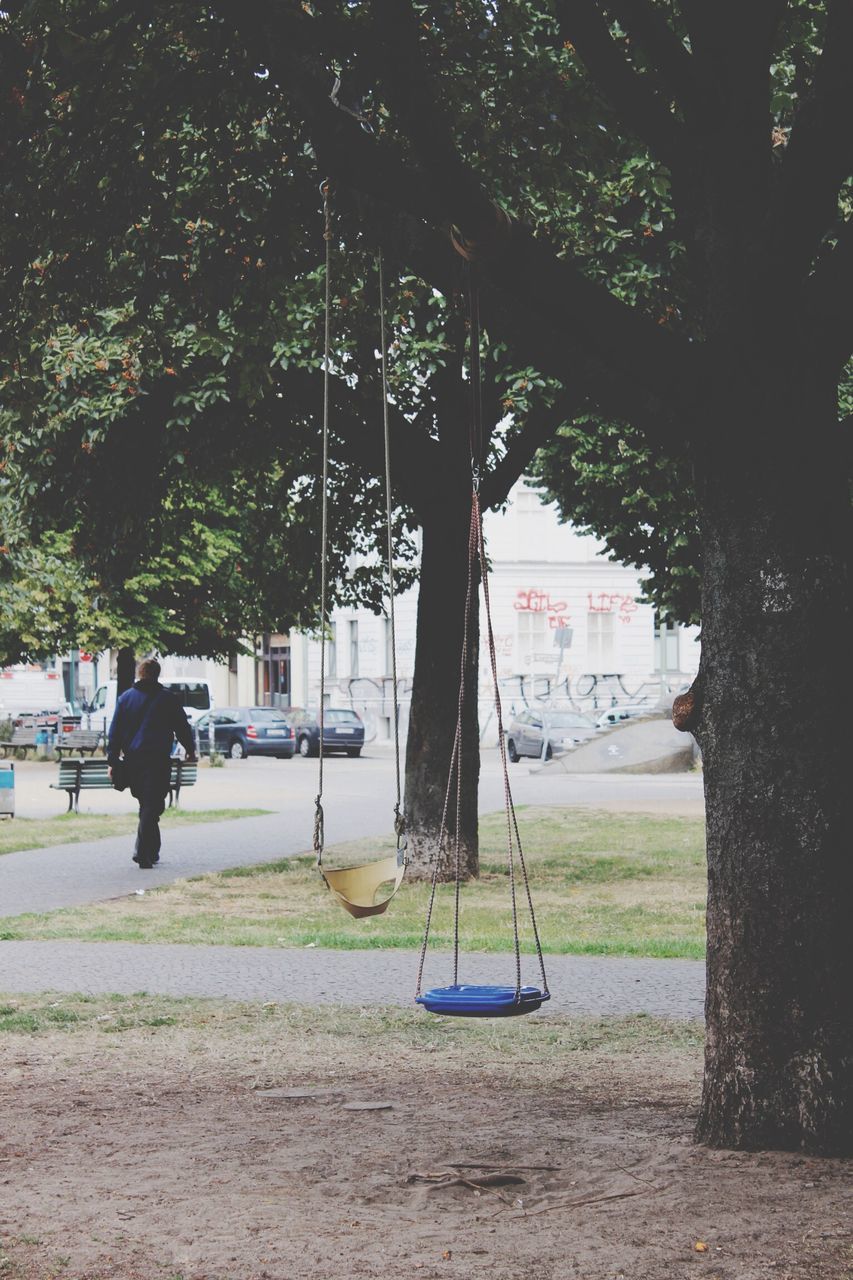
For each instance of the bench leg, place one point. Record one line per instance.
(70, 795)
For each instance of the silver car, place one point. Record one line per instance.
(562, 730)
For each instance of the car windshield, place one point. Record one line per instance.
(190, 693)
(340, 717)
(262, 714)
(567, 720)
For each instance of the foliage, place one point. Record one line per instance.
(175, 297)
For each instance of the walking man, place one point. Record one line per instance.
(147, 720)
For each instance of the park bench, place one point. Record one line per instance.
(93, 775)
(79, 740)
(25, 738)
(183, 775)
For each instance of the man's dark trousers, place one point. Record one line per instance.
(149, 784)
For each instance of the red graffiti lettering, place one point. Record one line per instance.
(613, 601)
(534, 601)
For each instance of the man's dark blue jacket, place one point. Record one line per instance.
(166, 722)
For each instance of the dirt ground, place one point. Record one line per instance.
(160, 1154)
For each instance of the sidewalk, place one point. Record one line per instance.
(598, 986)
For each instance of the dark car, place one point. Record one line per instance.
(564, 730)
(343, 730)
(247, 731)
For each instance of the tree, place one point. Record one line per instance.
(718, 333)
(161, 376)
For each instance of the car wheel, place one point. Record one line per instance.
(354, 752)
(548, 752)
(305, 747)
(237, 751)
(511, 751)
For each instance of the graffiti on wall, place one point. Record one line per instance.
(535, 601)
(613, 602)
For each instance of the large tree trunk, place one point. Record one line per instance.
(125, 670)
(435, 696)
(776, 732)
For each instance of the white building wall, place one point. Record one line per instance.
(545, 576)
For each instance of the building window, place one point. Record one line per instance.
(332, 650)
(531, 632)
(667, 632)
(599, 642)
(353, 648)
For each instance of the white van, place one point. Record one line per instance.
(194, 696)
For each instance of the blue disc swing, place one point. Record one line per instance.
(462, 999)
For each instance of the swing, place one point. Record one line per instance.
(465, 999)
(355, 888)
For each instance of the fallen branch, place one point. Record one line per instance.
(525, 1168)
(577, 1204)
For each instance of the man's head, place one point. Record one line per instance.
(148, 670)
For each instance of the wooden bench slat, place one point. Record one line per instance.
(93, 775)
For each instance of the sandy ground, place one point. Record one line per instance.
(158, 1155)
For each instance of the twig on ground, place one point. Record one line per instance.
(577, 1204)
(525, 1168)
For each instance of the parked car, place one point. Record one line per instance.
(247, 731)
(565, 729)
(615, 715)
(343, 730)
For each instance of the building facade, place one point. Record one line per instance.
(569, 630)
(568, 624)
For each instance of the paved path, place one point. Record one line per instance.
(579, 984)
(358, 803)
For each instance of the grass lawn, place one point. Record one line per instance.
(602, 884)
(347, 1032)
(72, 828)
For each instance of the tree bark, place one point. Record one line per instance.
(775, 732)
(434, 705)
(125, 670)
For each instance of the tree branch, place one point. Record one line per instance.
(819, 154)
(845, 426)
(648, 28)
(416, 461)
(632, 366)
(642, 111)
(540, 426)
(829, 300)
(425, 121)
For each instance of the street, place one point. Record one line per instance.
(289, 786)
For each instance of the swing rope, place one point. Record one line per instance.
(399, 816)
(319, 817)
(355, 887)
(477, 557)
